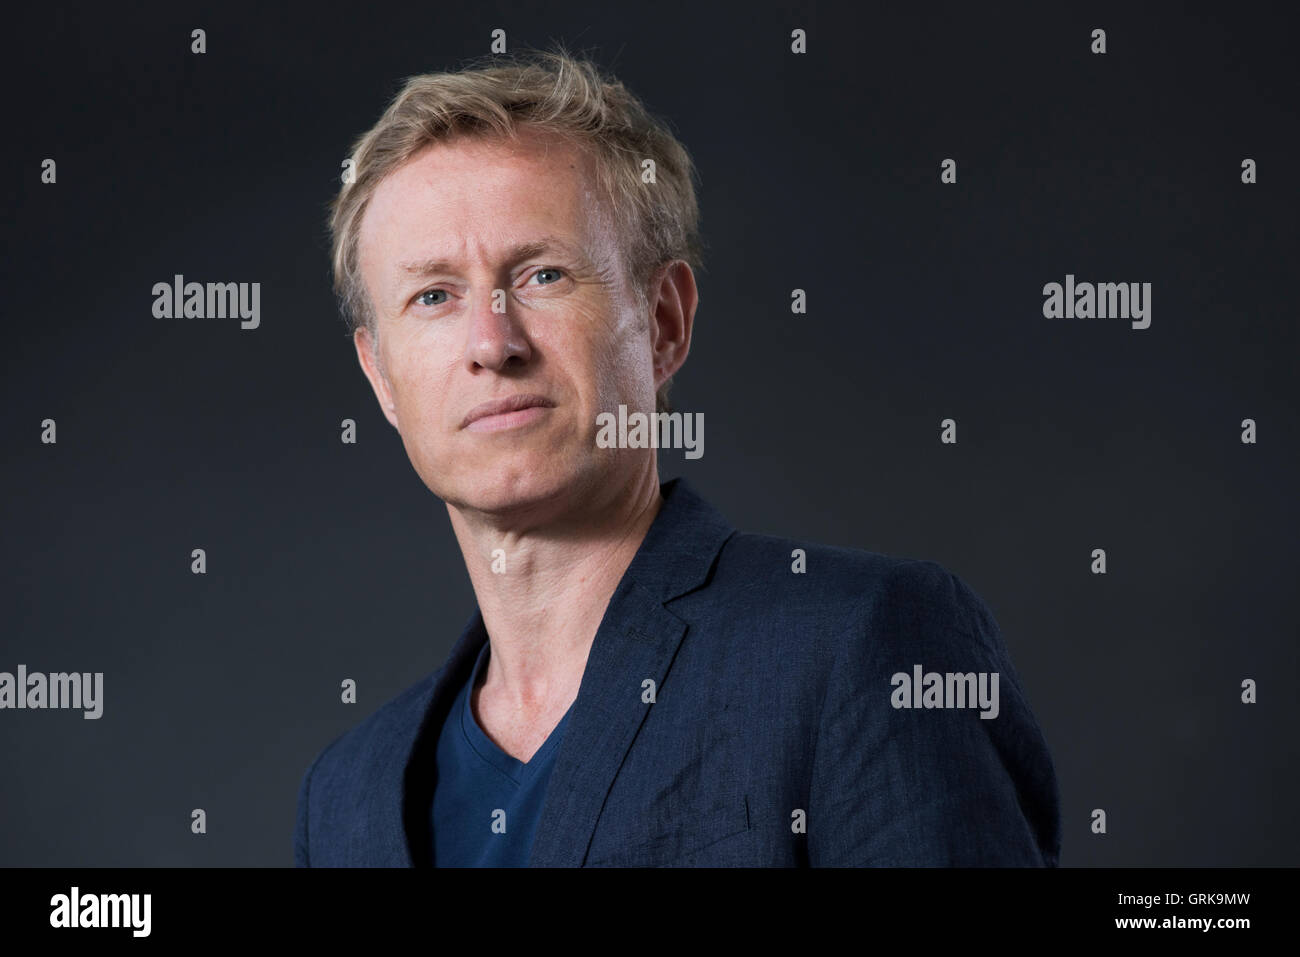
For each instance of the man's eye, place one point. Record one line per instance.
(558, 273)
(421, 298)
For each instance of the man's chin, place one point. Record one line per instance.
(510, 491)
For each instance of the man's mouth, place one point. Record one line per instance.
(513, 410)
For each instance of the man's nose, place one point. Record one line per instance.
(495, 336)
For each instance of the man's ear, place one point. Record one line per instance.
(367, 355)
(672, 297)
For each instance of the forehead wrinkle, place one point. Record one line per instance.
(515, 254)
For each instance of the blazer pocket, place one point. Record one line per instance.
(694, 834)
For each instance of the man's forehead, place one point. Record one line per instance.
(449, 194)
(466, 168)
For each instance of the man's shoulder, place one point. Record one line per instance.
(774, 572)
(360, 767)
(847, 602)
(380, 736)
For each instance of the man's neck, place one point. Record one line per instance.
(543, 591)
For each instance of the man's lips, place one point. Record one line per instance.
(513, 403)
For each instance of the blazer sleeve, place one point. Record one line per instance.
(302, 826)
(939, 786)
(301, 846)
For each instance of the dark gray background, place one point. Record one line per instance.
(328, 561)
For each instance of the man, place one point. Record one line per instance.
(641, 683)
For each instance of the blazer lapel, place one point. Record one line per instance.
(407, 797)
(637, 639)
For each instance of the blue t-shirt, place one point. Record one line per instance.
(477, 782)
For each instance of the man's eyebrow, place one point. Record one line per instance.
(517, 253)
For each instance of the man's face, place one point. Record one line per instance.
(466, 315)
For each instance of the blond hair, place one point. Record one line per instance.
(547, 92)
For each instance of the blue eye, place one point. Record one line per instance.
(549, 269)
(431, 292)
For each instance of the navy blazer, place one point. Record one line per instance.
(774, 733)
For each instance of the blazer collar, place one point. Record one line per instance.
(637, 639)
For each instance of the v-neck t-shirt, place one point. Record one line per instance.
(486, 804)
